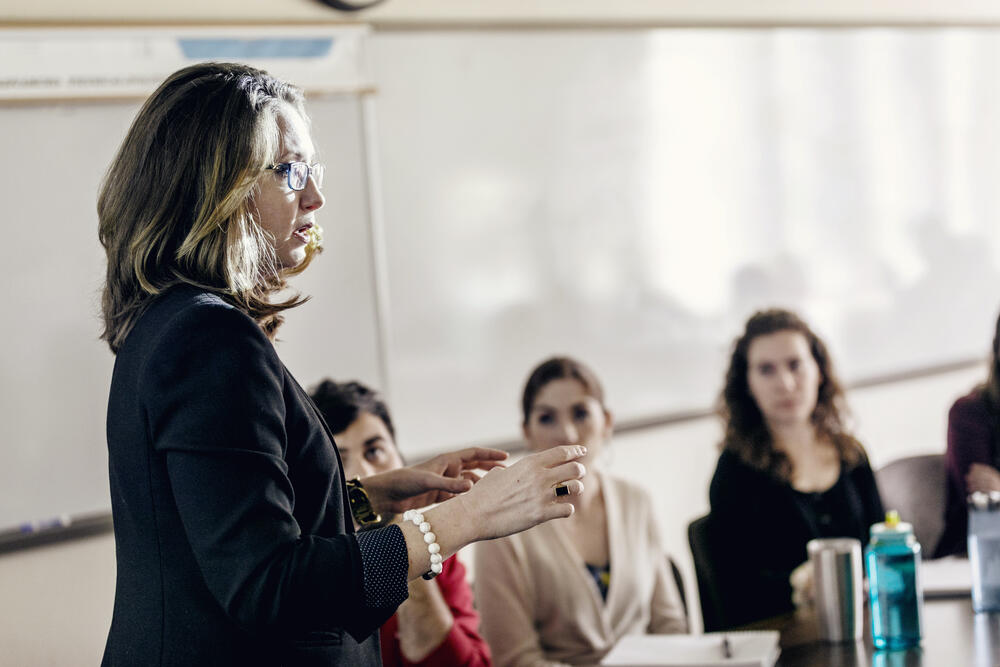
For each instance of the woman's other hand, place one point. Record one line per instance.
(509, 500)
(803, 590)
(982, 477)
(432, 481)
(505, 501)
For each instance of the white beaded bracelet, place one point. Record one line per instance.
(430, 539)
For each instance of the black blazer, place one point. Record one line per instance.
(759, 526)
(231, 530)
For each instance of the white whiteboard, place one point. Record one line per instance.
(54, 372)
(630, 196)
(626, 196)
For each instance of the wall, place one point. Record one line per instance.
(57, 600)
(519, 12)
(57, 603)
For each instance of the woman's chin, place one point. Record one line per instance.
(788, 419)
(292, 259)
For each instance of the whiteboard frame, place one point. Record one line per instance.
(155, 51)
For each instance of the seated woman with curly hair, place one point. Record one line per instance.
(789, 471)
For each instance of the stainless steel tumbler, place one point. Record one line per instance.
(838, 582)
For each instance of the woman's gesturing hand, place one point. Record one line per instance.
(509, 500)
(506, 500)
(432, 481)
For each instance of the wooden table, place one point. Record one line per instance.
(953, 636)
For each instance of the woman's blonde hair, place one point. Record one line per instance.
(176, 205)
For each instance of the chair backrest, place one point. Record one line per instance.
(916, 486)
(679, 580)
(699, 538)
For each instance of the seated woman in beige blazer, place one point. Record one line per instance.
(567, 591)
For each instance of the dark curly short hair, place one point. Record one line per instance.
(341, 403)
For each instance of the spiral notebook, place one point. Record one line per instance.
(746, 649)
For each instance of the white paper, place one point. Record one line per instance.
(946, 577)
(749, 649)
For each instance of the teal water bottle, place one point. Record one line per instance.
(895, 594)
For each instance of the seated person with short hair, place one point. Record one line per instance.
(437, 624)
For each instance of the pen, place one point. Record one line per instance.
(727, 650)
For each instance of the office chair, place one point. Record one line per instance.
(916, 486)
(699, 537)
(679, 580)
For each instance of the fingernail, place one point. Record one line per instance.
(583, 450)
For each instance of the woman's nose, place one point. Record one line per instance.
(569, 434)
(787, 380)
(312, 198)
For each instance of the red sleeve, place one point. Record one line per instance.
(391, 655)
(970, 438)
(463, 645)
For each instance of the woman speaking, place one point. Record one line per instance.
(233, 530)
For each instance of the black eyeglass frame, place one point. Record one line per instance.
(314, 171)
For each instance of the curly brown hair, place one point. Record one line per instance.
(747, 434)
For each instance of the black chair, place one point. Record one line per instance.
(679, 580)
(699, 537)
(916, 486)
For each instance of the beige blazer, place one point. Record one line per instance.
(540, 605)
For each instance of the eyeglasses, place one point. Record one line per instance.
(298, 173)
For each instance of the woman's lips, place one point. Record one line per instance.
(302, 233)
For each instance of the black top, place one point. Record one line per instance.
(829, 511)
(233, 541)
(759, 527)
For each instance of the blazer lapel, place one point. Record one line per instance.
(341, 480)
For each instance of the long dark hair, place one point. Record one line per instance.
(176, 203)
(746, 433)
(990, 390)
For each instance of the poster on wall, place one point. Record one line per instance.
(113, 62)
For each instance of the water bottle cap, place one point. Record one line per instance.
(978, 500)
(891, 527)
